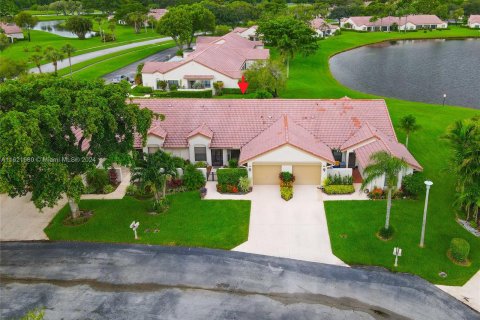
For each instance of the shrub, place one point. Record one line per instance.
(200, 164)
(376, 193)
(108, 189)
(132, 190)
(141, 90)
(179, 162)
(286, 176)
(386, 234)
(179, 53)
(108, 37)
(339, 189)
(231, 176)
(337, 179)
(233, 163)
(218, 86)
(244, 184)
(98, 179)
(286, 193)
(459, 249)
(173, 87)
(161, 205)
(173, 93)
(174, 183)
(162, 84)
(193, 179)
(231, 91)
(413, 184)
(263, 94)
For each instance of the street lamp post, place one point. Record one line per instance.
(428, 184)
(444, 97)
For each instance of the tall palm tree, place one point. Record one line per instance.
(382, 163)
(68, 49)
(111, 27)
(409, 124)
(36, 59)
(54, 56)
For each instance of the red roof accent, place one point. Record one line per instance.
(157, 13)
(10, 28)
(203, 130)
(474, 18)
(285, 131)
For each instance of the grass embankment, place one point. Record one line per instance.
(22, 49)
(310, 77)
(100, 66)
(189, 221)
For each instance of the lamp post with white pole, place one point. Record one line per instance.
(444, 97)
(428, 184)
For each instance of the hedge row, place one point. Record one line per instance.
(230, 176)
(231, 91)
(339, 189)
(141, 90)
(182, 94)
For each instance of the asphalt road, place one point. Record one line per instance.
(131, 69)
(107, 281)
(48, 67)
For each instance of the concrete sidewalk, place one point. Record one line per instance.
(469, 293)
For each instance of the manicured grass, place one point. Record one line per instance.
(310, 77)
(221, 224)
(100, 66)
(22, 49)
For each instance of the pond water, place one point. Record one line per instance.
(53, 26)
(416, 70)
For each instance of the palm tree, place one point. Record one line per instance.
(99, 20)
(158, 168)
(384, 164)
(54, 56)
(68, 49)
(111, 27)
(36, 59)
(409, 124)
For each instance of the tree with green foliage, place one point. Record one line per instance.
(290, 36)
(203, 20)
(79, 25)
(10, 68)
(26, 21)
(267, 76)
(384, 165)
(4, 42)
(68, 49)
(36, 59)
(136, 19)
(128, 7)
(408, 124)
(53, 130)
(221, 30)
(177, 23)
(54, 56)
(8, 9)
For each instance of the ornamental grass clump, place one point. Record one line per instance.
(459, 250)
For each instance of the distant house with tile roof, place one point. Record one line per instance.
(306, 137)
(323, 28)
(410, 22)
(249, 33)
(214, 59)
(474, 21)
(157, 13)
(12, 31)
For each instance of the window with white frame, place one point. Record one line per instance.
(200, 153)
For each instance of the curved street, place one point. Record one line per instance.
(48, 67)
(95, 281)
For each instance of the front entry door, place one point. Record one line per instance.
(217, 157)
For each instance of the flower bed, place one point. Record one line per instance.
(233, 180)
(339, 189)
(286, 185)
(338, 184)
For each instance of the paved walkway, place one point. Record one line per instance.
(21, 220)
(119, 193)
(295, 229)
(469, 293)
(87, 56)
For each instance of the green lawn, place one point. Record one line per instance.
(221, 224)
(310, 77)
(22, 49)
(100, 66)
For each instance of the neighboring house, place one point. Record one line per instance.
(157, 13)
(322, 28)
(306, 137)
(249, 33)
(12, 31)
(474, 21)
(411, 22)
(214, 59)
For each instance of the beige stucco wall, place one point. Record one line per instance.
(199, 141)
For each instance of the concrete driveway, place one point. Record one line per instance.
(106, 281)
(21, 220)
(295, 229)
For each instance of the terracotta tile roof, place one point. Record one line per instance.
(319, 23)
(474, 18)
(158, 131)
(361, 135)
(10, 28)
(282, 132)
(226, 55)
(157, 13)
(203, 130)
(387, 21)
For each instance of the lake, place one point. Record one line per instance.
(53, 26)
(416, 70)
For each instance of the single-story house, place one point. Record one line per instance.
(214, 59)
(322, 28)
(410, 22)
(306, 137)
(249, 33)
(12, 31)
(474, 21)
(157, 13)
